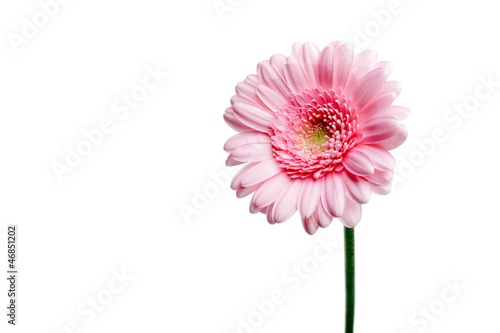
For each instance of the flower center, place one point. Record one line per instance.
(319, 136)
(313, 131)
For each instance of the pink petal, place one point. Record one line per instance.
(269, 191)
(358, 163)
(254, 209)
(368, 86)
(253, 152)
(308, 57)
(270, 76)
(309, 196)
(245, 138)
(336, 44)
(352, 214)
(324, 219)
(272, 99)
(261, 172)
(378, 105)
(381, 158)
(230, 161)
(295, 75)
(269, 214)
(240, 99)
(248, 92)
(358, 188)
(278, 62)
(325, 67)
(252, 79)
(286, 203)
(233, 122)
(398, 112)
(397, 138)
(363, 63)
(385, 64)
(236, 182)
(254, 116)
(344, 55)
(296, 49)
(243, 192)
(381, 177)
(310, 224)
(379, 129)
(333, 197)
(381, 189)
(263, 210)
(392, 86)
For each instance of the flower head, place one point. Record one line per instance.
(315, 129)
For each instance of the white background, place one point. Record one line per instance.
(121, 207)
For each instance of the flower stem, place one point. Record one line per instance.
(349, 279)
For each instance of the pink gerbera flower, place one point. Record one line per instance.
(315, 128)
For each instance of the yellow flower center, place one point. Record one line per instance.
(319, 136)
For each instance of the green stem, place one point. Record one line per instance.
(349, 279)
